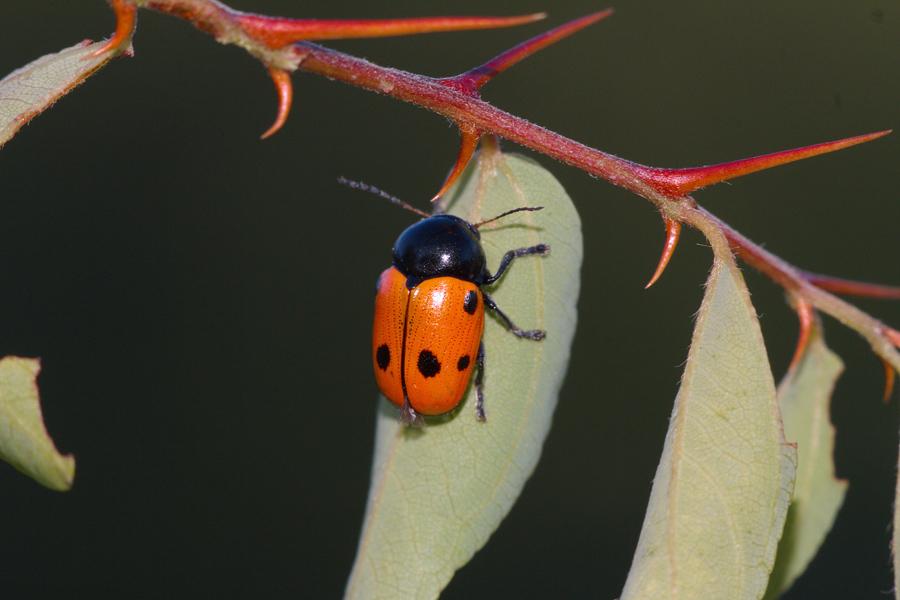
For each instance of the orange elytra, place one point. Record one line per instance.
(429, 314)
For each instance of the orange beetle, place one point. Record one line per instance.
(429, 315)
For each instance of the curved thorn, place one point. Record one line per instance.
(889, 373)
(889, 376)
(807, 317)
(126, 19)
(673, 232)
(469, 141)
(282, 81)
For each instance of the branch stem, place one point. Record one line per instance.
(230, 26)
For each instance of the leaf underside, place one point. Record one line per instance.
(723, 485)
(27, 92)
(804, 396)
(24, 442)
(437, 493)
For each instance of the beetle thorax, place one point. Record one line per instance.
(440, 246)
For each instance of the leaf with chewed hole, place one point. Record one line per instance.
(439, 492)
(724, 482)
(24, 442)
(805, 395)
(29, 91)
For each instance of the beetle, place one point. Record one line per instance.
(429, 313)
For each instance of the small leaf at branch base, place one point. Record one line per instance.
(438, 493)
(805, 395)
(29, 91)
(723, 486)
(24, 442)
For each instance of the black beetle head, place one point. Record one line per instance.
(440, 246)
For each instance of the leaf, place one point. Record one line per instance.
(437, 493)
(804, 396)
(24, 442)
(895, 540)
(724, 482)
(29, 91)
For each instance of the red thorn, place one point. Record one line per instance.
(470, 136)
(276, 32)
(126, 19)
(673, 232)
(282, 81)
(848, 287)
(478, 76)
(893, 336)
(889, 376)
(680, 182)
(807, 317)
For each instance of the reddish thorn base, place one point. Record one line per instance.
(126, 19)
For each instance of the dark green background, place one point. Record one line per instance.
(201, 299)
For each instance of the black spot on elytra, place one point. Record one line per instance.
(383, 357)
(470, 304)
(428, 364)
(463, 363)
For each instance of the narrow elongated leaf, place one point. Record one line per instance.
(29, 91)
(24, 442)
(895, 540)
(439, 492)
(723, 485)
(805, 395)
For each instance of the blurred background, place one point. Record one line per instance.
(201, 300)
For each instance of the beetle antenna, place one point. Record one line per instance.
(357, 185)
(509, 212)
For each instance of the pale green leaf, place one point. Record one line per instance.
(895, 540)
(724, 482)
(24, 442)
(437, 493)
(805, 395)
(27, 92)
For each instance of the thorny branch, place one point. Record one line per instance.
(282, 45)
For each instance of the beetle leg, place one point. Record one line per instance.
(409, 416)
(540, 249)
(479, 384)
(534, 334)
